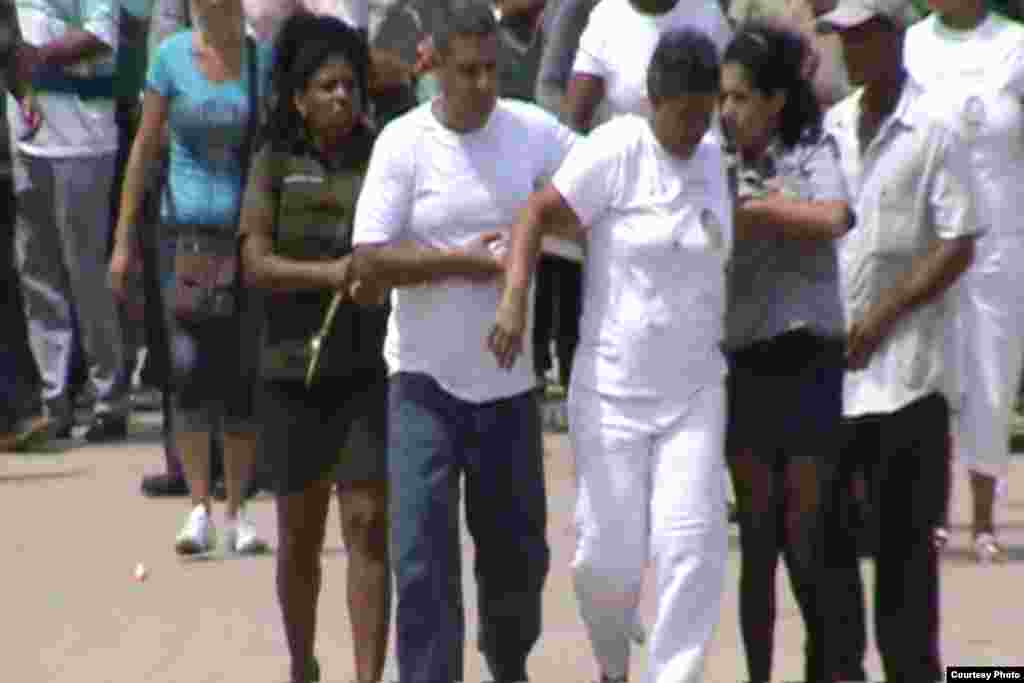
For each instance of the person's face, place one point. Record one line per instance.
(680, 122)
(750, 117)
(870, 50)
(329, 104)
(468, 75)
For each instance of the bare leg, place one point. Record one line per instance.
(760, 539)
(983, 492)
(301, 519)
(239, 461)
(364, 526)
(194, 449)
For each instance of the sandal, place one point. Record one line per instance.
(940, 538)
(987, 549)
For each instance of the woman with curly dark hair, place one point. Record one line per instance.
(322, 398)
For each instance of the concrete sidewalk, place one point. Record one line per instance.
(75, 527)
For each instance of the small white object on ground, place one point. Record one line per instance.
(140, 572)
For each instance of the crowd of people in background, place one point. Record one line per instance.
(356, 246)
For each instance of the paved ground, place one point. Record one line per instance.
(75, 528)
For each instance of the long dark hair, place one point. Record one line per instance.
(304, 43)
(774, 60)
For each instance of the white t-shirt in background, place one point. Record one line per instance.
(974, 83)
(429, 184)
(619, 41)
(660, 236)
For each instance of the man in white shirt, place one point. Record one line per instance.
(607, 71)
(64, 170)
(911, 189)
(442, 180)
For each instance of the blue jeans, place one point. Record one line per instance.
(434, 440)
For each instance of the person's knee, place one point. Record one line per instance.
(364, 519)
(608, 568)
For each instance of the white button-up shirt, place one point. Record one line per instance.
(911, 187)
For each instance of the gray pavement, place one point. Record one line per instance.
(75, 527)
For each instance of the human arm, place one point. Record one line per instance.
(586, 185)
(408, 264)
(956, 223)
(589, 74)
(96, 37)
(777, 216)
(145, 149)
(817, 210)
(932, 275)
(546, 213)
(263, 268)
(387, 254)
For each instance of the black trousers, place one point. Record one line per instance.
(558, 301)
(904, 457)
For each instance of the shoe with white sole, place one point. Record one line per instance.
(198, 535)
(241, 536)
(987, 549)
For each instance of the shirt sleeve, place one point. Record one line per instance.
(259, 205)
(561, 140)
(593, 57)
(951, 190)
(590, 178)
(721, 197)
(160, 77)
(100, 18)
(825, 178)
(384, 207)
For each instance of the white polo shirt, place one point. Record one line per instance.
(429, 184)
(619, 41)
(912, 187)
(660, 234)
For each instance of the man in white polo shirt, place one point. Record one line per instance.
(911, 190)
(443, 178)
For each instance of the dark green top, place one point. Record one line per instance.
(314, 202)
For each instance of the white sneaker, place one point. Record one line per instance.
(241, 536)
(198, 535)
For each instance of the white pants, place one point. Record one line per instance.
(650, 486)
(991, 306)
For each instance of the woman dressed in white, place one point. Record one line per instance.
(647, 398)
(971, 63)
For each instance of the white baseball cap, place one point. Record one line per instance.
(850, 13)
